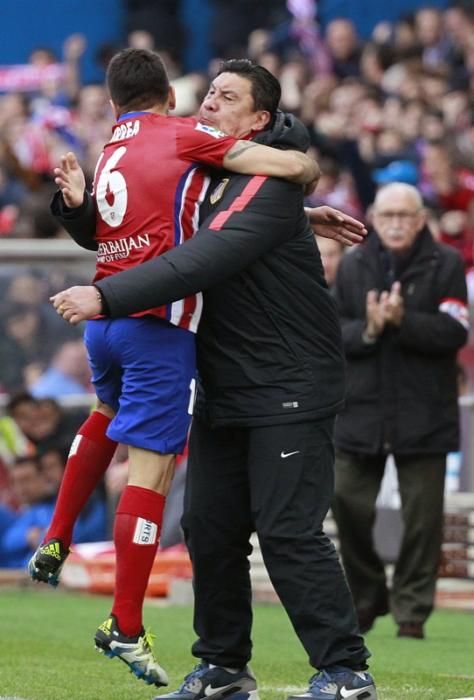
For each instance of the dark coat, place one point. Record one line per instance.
(269, 343)
(402, 390)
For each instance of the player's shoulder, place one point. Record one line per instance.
(181, 122)
(191, 125)
(169, 123)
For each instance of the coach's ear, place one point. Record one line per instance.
(171, 98)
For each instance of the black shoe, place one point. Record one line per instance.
(337, 683)
(369, 614)
(217, 683)
(411, 629)
(136, 652)
(46, 563)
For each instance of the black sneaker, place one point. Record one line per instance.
(46, 563)
(338, 683)
(136, 652)
(217, 683)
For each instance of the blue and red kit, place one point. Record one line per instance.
(148, 185)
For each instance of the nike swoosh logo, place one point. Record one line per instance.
(284, 455)
(349, 693)
(213, 690)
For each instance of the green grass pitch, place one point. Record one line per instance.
(46, 652)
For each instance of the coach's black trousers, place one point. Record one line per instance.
(279, 481)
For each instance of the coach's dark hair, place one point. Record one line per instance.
(266, 90)
(137, 79)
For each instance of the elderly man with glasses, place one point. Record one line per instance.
(402, 302)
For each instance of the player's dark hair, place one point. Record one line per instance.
(266, 90)
(137, 79)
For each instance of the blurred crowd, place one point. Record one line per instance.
(396, 107)
(36, 434)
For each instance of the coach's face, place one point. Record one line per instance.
(229, 106)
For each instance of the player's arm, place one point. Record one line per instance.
(223, 247)
(249, 158)
(78, 222)
(207, 145)
(72, 205)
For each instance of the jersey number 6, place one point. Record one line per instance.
(111, 191)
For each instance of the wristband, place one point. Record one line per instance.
(104, 308)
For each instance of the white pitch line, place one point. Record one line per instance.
(285, 689)
(471, 698)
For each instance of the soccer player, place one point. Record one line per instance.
(147, 191)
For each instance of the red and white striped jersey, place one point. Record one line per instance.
(148, 187)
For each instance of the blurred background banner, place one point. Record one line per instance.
(365, 14)
(193, 25)
(26, 25)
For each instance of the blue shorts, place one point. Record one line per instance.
(144, 368)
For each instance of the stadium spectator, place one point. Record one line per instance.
(52, 461)
(32, 428)
(256, 414)
(24, 534)
(336, 189)
(431, 36)
(35, 496)
(331, 252)
(455, 230)
(344, 48)
(397, 171)
(68, 373)
(22, 344)
(16, 427)
(7, 517)
(402, 301)
(33, 288)
(404, 40)
(23, 409)
(54, 427)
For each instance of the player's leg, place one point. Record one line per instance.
(153, 419)
(90, 454)
(137, 528)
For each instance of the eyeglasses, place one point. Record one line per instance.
(403, 216)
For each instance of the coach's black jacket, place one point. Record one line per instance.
(402, 394)
(269, 344)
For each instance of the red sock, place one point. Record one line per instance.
(90, 455)
(137, 530)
